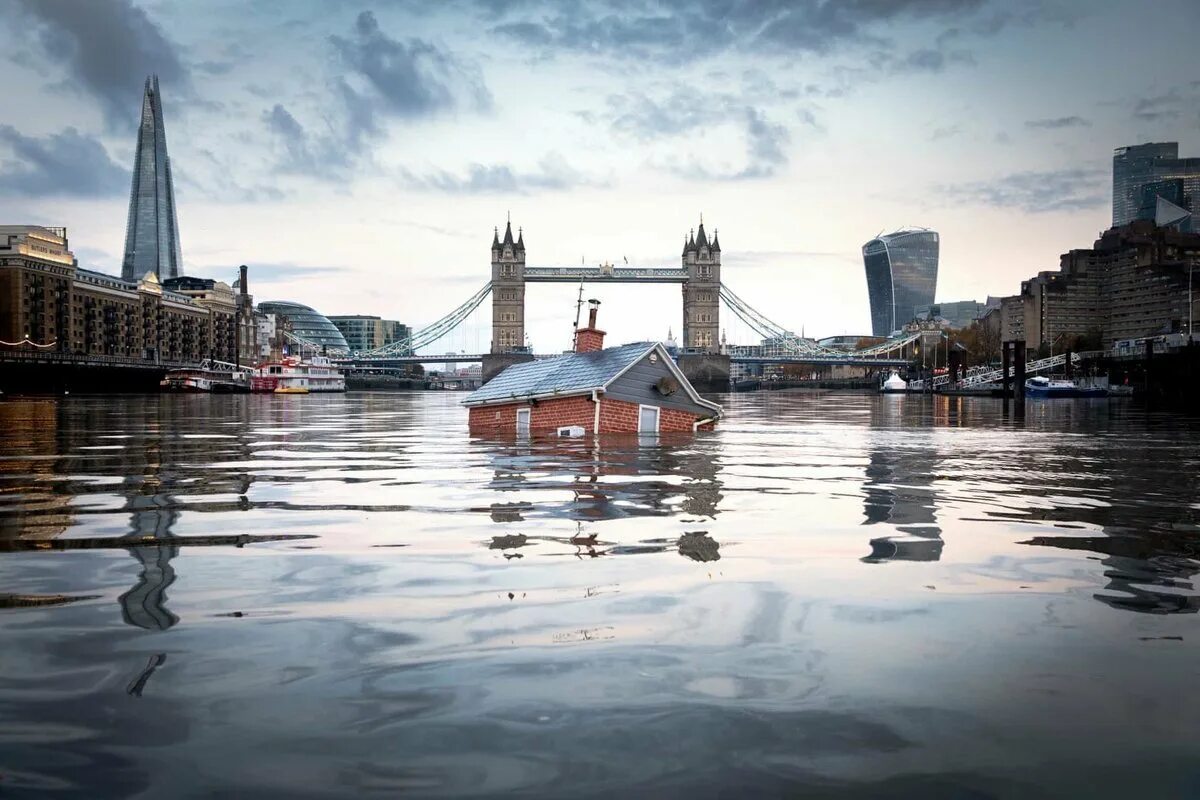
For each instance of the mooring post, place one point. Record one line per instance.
(1005, 364)
(1019, 365)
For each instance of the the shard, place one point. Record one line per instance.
(152, 233)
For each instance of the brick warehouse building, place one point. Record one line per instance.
(634, 388)
(49, 303)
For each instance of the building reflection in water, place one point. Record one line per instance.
(898, 488)
(1148, 573)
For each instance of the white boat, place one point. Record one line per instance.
(292, 375)
(216, 377)
(894, 385)
(1041, 386)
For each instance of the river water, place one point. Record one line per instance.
(832, 595)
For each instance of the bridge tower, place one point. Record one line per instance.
(508, 291)
(508, 303)
(701, 292)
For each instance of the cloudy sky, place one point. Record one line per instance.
(358, 155)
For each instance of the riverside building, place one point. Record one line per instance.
(1131, 284)
(51, 305)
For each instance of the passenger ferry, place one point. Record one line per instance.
(217, 378)
(292, 375)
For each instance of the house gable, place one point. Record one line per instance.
(638, 384)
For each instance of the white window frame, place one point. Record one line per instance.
(528, 413)
(657, 418)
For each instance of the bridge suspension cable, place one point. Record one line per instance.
(796, 344)
(431, 333)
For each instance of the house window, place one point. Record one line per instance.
(647, 419)
(523, 422)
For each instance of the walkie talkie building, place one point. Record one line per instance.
(152, 232)
(901, 276)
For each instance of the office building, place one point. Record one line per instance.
(957, 314)
(901, 276)
(364, 333)
(1142, 172)
(152, 232)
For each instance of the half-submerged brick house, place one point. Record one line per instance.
(634, 388)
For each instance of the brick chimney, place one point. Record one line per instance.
(242, 280)
(591, 338)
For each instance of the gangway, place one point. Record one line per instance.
(978, 376)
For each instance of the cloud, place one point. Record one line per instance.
(687, 30)
(1058, 123)
(553, 173)
(321, 156)
(108, 48)
(683, 112)
(764, 146)
(66, 164)
(413, 78)
(1166, 106)
(946, 132)
(1036, 192)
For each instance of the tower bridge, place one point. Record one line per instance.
(702, 294)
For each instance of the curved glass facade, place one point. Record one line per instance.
(901, 277)
(307, 323)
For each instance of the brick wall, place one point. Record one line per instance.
(616, 416)
(619, 416)
(547, 415)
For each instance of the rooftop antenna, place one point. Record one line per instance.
(578, 304)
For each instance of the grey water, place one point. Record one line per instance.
(832, 595)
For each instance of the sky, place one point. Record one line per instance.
(358, 156)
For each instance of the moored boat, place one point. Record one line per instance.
(894, 385)
(207, 378)
(292, 375)
(1041, 386)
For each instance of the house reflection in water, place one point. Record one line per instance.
(607, 478)
(898, 489)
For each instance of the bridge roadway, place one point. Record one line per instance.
(605, 273)
(462, 358)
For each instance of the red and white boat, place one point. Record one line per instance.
(292, 375)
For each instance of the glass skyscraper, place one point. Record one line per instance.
(901, 276)
(152, 232)
(1155, 166)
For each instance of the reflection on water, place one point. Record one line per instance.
(344, 596)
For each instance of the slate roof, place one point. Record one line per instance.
(572, 373)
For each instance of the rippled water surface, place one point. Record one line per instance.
(831, 595)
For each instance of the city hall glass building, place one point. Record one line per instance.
(307, 323)
(901, 276)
